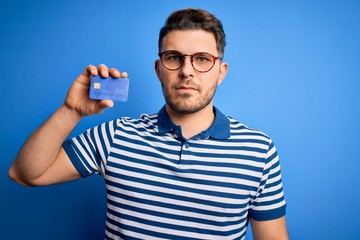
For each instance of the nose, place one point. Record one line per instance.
(187, 69)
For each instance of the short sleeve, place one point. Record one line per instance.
(269, 202)
(89, 151)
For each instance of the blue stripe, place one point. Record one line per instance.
(267, 215)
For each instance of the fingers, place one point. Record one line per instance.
(124, 75)
(91, 70)
(105, 72)
(114, 73)
(101, 105)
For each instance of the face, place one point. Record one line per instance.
(186, 90)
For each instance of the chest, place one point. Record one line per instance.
(197, 172)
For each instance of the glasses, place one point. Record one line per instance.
(201, 61)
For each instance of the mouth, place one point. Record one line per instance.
(186, 88)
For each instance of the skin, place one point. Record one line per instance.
(188, 93)
(189, 103)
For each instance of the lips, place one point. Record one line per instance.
(185, 87)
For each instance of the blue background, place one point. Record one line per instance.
(294, 74)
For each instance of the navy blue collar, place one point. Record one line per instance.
(220, 129)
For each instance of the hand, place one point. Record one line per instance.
(77, 98)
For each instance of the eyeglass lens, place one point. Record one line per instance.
(201, 62)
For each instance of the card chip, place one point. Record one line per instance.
(97, 85)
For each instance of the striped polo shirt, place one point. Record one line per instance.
(163, 186)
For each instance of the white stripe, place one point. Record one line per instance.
(270, 207)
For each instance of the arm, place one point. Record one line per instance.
(268, 230)
(42, 160)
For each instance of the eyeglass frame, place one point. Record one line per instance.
(191, 59)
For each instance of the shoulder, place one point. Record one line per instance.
(144, 121)
(240, 130)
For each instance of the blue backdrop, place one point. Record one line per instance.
(294, 74)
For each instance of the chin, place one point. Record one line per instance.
(186, 109)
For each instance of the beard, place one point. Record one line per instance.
(186, 103)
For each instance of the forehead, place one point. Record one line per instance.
(190, 41)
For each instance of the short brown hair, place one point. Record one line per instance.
(194, 19)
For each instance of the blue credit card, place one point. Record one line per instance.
(115, 89)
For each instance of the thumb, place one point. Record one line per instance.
(101, 105)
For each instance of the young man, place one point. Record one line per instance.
(188, 172)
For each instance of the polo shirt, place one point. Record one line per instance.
(161, 185)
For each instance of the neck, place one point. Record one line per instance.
(192, 123)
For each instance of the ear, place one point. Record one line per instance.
(157, 68)
(223, 71)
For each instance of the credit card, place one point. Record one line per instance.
(115, 89)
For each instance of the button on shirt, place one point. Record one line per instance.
(220, 129)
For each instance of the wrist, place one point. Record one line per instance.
(70, 114)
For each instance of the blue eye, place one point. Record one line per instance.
(202, 58)
(174, 58)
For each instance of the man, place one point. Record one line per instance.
(188, 172)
